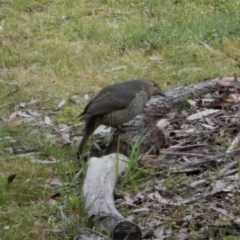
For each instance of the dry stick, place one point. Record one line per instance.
(9, 94)
(227, 167)
(192, 200)
(185, 154)
(198, 182)
(223, 172)
(197, 163)
(211, 193)
(208, 159)
(232, 146)
(188, 147)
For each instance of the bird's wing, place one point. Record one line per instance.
(107, 102)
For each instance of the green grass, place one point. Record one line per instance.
(55, 49)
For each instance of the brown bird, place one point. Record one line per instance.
(117, 104)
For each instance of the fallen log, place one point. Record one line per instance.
(98, 187)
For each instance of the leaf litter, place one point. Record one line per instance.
(192, 186)
(204, 152)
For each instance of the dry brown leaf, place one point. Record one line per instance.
(52, 202)
(14, 123)
(57, 182)
(128, 199)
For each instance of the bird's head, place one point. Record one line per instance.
(153, 88)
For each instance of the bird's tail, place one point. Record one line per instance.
(88, 130)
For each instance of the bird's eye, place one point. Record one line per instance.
(155, 85)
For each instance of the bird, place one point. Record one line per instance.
(117, 104)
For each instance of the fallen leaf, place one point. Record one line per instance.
(192, 102)
(52, 201)
(34, 113)
(33, 101)
(6, 227)
(30, 119)
(140, 210)
(14, 123)
(167, 84)
(12, 116)
(234, 98)
(86, 96)
(128, 200)
(196, 69)
(23, 114)
(43, 161)
(57, 182)
(208, 126)
(219, 186)
(112, 25)
(202, 114)
(162, 123)
(65, 140)
(156, 196)
(118, 68)
(22, 105)
(47, 120)
(76, 99)
(102, 129)
(159, 232)
(9, 150)
(155, 58)
(61, 104)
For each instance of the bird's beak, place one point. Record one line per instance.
(161, 93)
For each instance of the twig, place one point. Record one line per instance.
(9, 94)
(227, 167)
(197, 163)
(188, 147)
(185, 154)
